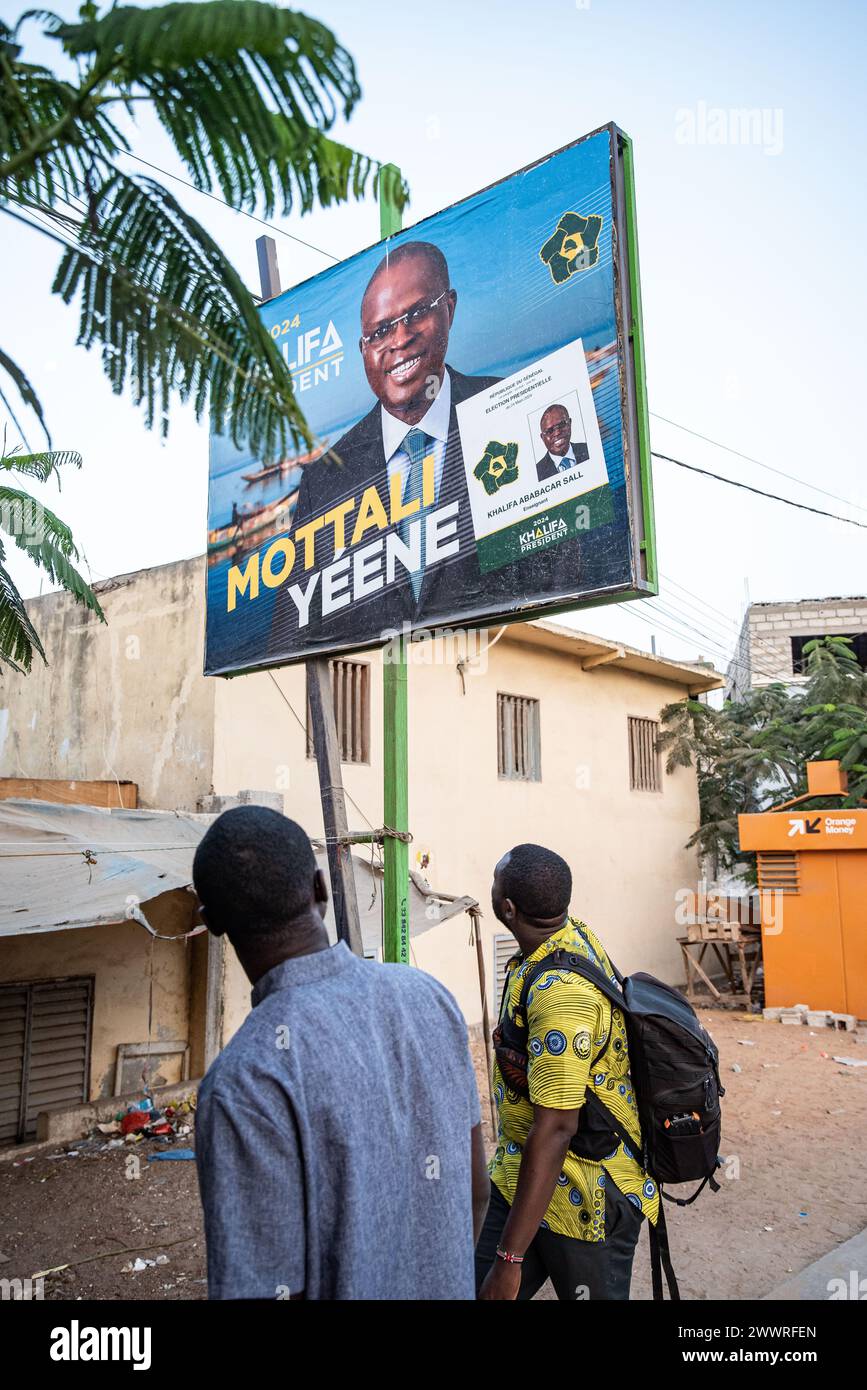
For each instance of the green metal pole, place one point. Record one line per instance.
(395, 935)
(636, 330)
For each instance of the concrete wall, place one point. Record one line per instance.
(118, 957)
(767, 651)
(125, 700)
(739, 673)
(129, 700)
(626, 848)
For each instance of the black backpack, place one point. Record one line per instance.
(674, 1065)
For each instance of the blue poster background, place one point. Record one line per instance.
(509, 313)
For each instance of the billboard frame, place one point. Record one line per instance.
(633, 400)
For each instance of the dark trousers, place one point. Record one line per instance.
(578, 1269)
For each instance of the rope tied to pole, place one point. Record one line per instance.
(389, 833)
(375, 837)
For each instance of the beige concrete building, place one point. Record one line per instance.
(535, 732)
(772, 637)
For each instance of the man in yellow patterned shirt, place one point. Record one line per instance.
(556, 1213)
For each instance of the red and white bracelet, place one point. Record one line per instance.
(509, 1257)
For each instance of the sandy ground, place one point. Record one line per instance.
(793, 1119)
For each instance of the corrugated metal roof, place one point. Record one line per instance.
(83, 866)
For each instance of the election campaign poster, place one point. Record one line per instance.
(475, 389)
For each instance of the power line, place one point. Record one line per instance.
(47, 228)
(725, 645)
(718, 611)
(667, 457)
(771, 651)
(718, 647)
(721, 648)
(654, 621)
(713, 643)
(774, 497)
(749, 458)
(242, 212)
(303, 728)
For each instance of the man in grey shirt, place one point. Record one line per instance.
(338, 1136)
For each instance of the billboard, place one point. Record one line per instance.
(475, 387)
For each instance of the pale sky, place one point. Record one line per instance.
(751, 263)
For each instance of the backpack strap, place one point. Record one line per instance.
(688, 1201)
(591, 1099)
(617, 975)
(570, 960)
(660, 1253)
(660, 1258)
(506, 983)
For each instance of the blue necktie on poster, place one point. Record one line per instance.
(417, 445)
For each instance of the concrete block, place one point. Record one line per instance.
(819, 1018)
(771, 1015)
(60, 1123)
(274, 800)
(847, 1023)
(216, 805)
(792, 1019)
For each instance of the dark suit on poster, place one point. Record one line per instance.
(548, 466)
(452, 590)
(355, 462)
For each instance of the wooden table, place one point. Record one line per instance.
(732, 944)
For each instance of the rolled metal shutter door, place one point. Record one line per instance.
(13, 1047)
(44, 1051)
(59, 1046)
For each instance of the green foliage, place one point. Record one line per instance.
(751, 755)
(247, 92)
(49, 544)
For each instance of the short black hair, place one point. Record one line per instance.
(426, 249)
(538, 881)
(253, 872)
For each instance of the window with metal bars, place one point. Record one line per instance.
(644, 771)
(350, 687)
(519, 745)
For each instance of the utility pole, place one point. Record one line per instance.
(395, 742)
(326, 744)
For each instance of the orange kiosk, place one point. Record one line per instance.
(814, 940)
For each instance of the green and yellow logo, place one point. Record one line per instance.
(497, 466)
(573, 246)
